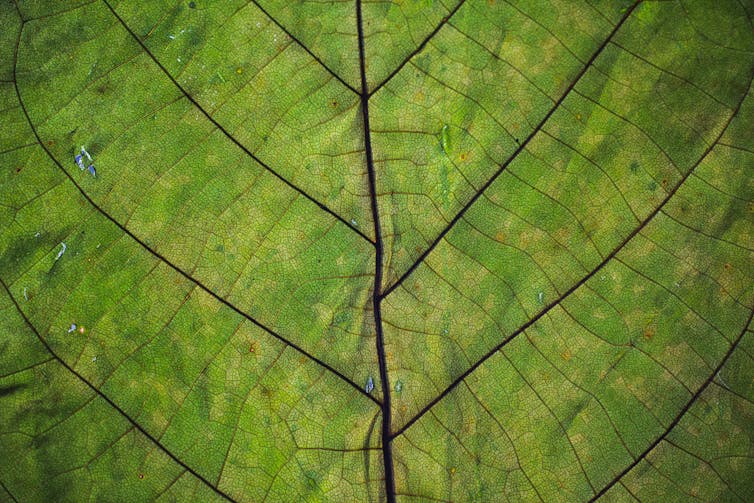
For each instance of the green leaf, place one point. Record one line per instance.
(376, 251)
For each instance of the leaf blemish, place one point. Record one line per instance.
(445, 139)
(61, 252)
(370, 385)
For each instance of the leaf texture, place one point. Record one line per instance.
(376, 251)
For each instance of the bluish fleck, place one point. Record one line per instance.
(62, 251)
(370, 385)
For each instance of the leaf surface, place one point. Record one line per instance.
(368, 251)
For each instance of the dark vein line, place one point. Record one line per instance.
(586, 278)
(304, 47)
(515, 153)
(7, 491)
(680, 414)
(417, 50)
(227, 134)
(99, 393)
(167, 262)
(387, 453)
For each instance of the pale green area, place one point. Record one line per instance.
(561, 340)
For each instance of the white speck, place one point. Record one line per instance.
(258, 24)
(72, 328)
(94, 359)
(602, 277)
(171, 37)
(444, 331)
(720, 379)
(353, 222)
(370, 385)
(398, 386)
(61, 252)
(83, 151)
(26, 297)
(99, 246)
(179, 60)
(678, 284)
(541, 297)
(37, 234)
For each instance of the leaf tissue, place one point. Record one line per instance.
(417, 250)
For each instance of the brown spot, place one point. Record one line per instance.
(727, 266)
(141, 475)
(82, 330)
(252, 348)
(578, 117)
(649, 332)
(334, 104)
(664, 181)
(418, 249)
(18, 169)
(50, 143)
(566, 355)
(500, 237)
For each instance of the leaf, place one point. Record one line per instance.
(346, 251)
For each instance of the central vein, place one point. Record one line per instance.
(387, 454)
